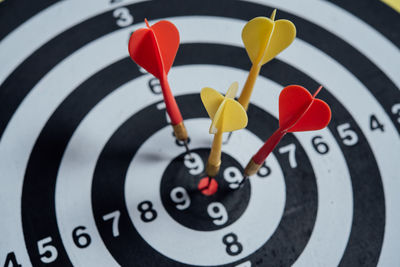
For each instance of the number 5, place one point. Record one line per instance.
(349, 137)
(44, 247)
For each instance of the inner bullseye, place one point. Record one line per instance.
(208, 187)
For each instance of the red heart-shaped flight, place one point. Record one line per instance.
(300, 111)
(154, 48)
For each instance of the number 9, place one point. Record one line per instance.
(180, 196)
(194, 164)
(233, 176)
(218, 212)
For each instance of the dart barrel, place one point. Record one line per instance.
(180, 131)
(251, 168)
(212, 169)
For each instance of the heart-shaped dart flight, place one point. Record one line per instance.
(154, 49)
(227, 115)
(298, 111)
(264, 38)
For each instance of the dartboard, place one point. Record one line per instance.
(91, 174)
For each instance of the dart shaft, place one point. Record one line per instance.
(267, 148)
(245, 95)
(214, 160)
(170, 102)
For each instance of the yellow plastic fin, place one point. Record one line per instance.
(282, 36)
(234, 116)
(255, 36)
(226, 113)
(211, 100)
(217, 121)
(272, 17)
(265, 38)
(232, 91)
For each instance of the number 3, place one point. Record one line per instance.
(396, 111)
(123, 16)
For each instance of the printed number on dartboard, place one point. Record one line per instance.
(11, 260)
(147, 213)
(233, 246)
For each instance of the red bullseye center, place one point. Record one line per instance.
(207, 187)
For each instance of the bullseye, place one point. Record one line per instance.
(208, 187)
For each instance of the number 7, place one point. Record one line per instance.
(291, 149)
(115, 216)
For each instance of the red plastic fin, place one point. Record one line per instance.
(316, 92)
(143, 49)
(167, 37)
(147, 23)
(316, 117)
(294, 100)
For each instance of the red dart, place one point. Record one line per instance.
(154, 49)
(298, 111)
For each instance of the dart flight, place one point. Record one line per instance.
(263, 38)
(227, 115)
(154, 49)
(298, 111)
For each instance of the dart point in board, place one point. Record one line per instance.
(154, 48)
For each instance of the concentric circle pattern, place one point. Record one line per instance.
(91, 174)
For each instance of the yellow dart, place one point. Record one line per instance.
(264, 38)
(227, 115)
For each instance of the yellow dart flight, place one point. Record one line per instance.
(227, 115)
(264, 38)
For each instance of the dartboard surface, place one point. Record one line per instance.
(91, 174)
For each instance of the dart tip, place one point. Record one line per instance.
(147, 23)
(185, 143)
(245, 177)
(227, 138)
(316, 92)
(209, 181)
(273, 14)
